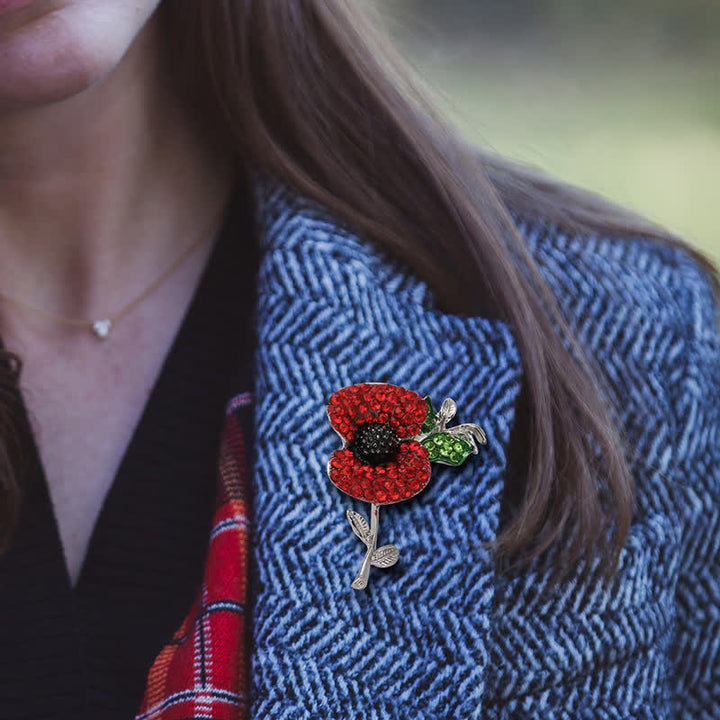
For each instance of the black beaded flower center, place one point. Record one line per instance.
(375, 444)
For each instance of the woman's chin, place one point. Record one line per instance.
(34, 87)
(36, 69)
(30, 87)
(56, 54)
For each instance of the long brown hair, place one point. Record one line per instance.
(311, 92)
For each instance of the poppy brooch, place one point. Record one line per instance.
(390, 436)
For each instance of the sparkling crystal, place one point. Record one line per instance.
(102, 328)
(375, 444)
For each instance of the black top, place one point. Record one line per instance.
(85, 652)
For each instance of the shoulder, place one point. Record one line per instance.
(592, 275)
(646, 313)
(630, 294)
(589, 274)
(579, 268)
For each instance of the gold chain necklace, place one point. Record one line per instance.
(101, 328)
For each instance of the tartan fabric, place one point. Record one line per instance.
(202, 672)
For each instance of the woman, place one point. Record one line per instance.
(571, 570)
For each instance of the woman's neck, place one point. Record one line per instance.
(102, 191)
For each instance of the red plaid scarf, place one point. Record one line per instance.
(203, 672)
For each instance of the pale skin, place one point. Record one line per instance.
(104, 181)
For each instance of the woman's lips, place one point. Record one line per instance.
(7, 6)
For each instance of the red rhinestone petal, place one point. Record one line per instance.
(408, 415)
(413, 469)
(383, 485)
(353, 405)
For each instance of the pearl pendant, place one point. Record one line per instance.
(102, 328)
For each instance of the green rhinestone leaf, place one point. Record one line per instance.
(430, 418)
(447, 449)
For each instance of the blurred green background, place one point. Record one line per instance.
(620, 97)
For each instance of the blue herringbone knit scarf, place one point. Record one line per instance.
(443, 634)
